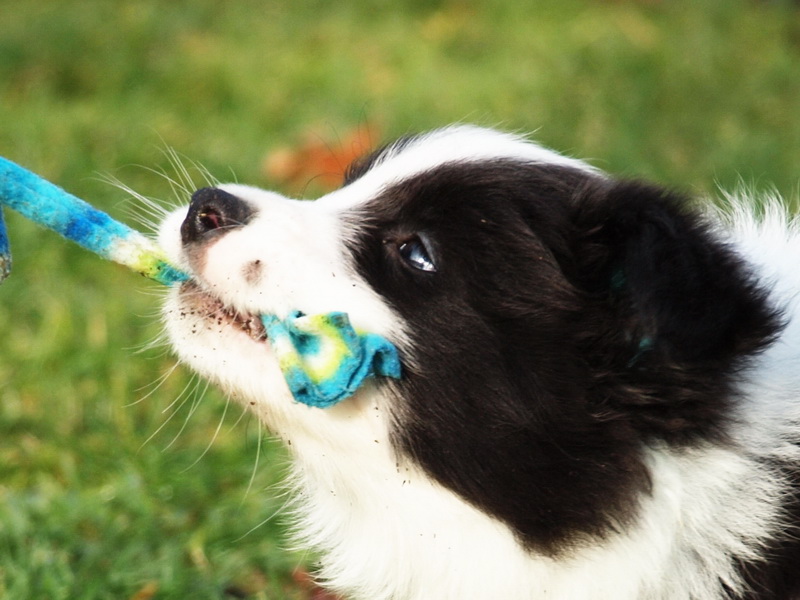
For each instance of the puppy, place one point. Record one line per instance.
(600, 395)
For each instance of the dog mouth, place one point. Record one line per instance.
(200, 303)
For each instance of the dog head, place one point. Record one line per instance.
(551, 321)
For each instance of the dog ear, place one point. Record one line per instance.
(673, 313)
(664, 273)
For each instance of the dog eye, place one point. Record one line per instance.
(415, 252)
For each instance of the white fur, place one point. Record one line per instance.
(387, 531)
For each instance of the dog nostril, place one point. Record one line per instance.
(210, 219)
(213, 210)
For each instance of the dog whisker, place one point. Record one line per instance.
(185, 183)
(254, 470)
(197, 396)
(179, 400)
(154, 386)
(213, 437)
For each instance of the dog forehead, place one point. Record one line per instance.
(413, 156)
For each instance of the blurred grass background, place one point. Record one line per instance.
(102, 496)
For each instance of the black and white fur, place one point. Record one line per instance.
(601, 390)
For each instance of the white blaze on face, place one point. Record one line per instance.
(290, 255)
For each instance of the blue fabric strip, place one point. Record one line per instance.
(323, 359)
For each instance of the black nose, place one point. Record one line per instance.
(213, 212)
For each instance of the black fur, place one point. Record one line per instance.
(683, 302)
(571, 321)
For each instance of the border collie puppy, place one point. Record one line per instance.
(601, 384)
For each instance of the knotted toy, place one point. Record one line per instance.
(323, 359)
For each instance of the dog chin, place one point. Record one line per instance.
(226, 346)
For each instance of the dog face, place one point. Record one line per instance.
(275, 255)
(540, 310)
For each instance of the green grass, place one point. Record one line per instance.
(102, 496)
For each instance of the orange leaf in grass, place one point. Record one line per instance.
(317, 161)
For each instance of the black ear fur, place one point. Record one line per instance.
(677, 308)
